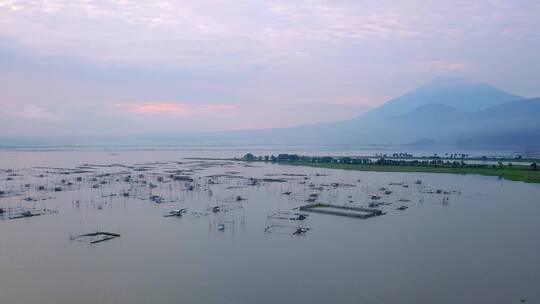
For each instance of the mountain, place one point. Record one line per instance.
(468, 115)
(440, 113)
(512, 123)
(433, 113)
(464, 95)
(465, 113)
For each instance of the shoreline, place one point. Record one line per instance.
(518, 173)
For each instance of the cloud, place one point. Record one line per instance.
(33, 112)
(155, 108)
(172, 108)
(218, 33)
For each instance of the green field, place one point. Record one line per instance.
(514, 173)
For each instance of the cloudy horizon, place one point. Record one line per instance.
(124, 67)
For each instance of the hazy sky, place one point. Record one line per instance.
(114, 67)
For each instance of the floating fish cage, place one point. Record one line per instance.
(95, 237)
(288, 216)
(289, 230)
(20, 212)
(349, 211)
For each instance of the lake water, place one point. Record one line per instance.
(475, 242)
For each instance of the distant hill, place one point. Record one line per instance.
(461, 94)
(512, 123)
(523, 109)
(503, 121)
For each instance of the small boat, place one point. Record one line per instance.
(299, 217)
(300, 231)
(156, 199)
(176, 212)
(402, 207)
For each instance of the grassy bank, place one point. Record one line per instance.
(515, 173)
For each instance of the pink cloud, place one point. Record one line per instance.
(158, 108)
(172, 108)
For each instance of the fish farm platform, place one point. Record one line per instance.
(349, 211)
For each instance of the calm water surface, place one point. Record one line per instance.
(480, 246)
